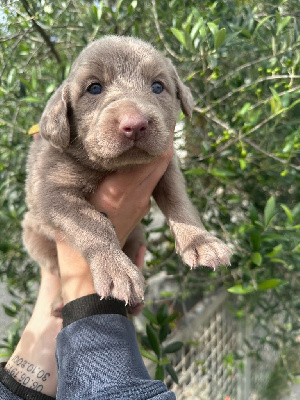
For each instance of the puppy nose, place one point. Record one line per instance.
(133, 126)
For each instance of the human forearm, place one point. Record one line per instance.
(98, 355)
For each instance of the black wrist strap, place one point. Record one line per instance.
(90, 305)
(22, 391)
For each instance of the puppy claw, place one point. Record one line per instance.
(199, 249)
(124, 282)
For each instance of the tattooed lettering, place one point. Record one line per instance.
(26, 373)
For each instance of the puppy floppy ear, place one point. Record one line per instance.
(183, 94)
(54, 124)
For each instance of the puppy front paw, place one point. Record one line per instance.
(116, 276)
(198, 247)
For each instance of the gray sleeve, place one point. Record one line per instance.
(98, 358)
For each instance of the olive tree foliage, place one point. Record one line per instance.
(241, 61)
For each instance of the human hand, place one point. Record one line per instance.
(125, 197)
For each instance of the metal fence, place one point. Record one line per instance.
(210, 336)
(206, 366)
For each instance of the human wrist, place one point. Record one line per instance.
(76, 279)
(32, 365)
(90, 305)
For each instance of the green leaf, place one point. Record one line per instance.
(188, 41)
(256, 258)
(253, 214)
(221, 173)
(34, 78)
(150, 356)
(171, 371)
(163, 332)
(166, 294)
(173, 347)
(160, 373)
(153, 339)
(5, 354)
(9, 311)
(244, 109)
(219, 38)
(162, 314)
(269, 284)
(275, 102)
(243, 163)
(150, 316)
(99, 10)
(255, 238)
(195, 171)
(269, 211)
(281, 25)
(213, 28)
(119, 6)
(288, 213)
(261, 23)
(296, 249)
(239, 289)
(172, 317)
(276, 250)
(275, 94)
(31, 99)
(179, 36)
(196, 28)
(164, 361)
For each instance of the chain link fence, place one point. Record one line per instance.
(207, 366)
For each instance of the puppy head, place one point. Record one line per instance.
(120, 104)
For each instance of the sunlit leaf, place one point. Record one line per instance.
(269, 211)
(269, 284)
(179, 36)
(150, 356)
(239, 289)
(195, 171)
(276, 250)
(219, 38)
(288, 213)
(256, 258)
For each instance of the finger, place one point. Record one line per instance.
(141, 178)
(158, 169)
(140, 258)
(146, 173)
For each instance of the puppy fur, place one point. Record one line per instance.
(84, 137)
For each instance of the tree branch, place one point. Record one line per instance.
(249, 64)
(42, 32)
(162, 38)
(238, 137)
(255, 146)
(246, 85)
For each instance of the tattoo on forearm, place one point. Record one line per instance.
(29, 375)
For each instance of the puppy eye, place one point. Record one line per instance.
(95, 88)
(157, 87)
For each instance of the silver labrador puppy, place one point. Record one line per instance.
(118, 107)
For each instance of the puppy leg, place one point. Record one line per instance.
(93, 235)
(195, 245)
(40, 248)
(131, 248)
(135, 240)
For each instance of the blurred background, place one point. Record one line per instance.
(227, 334)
